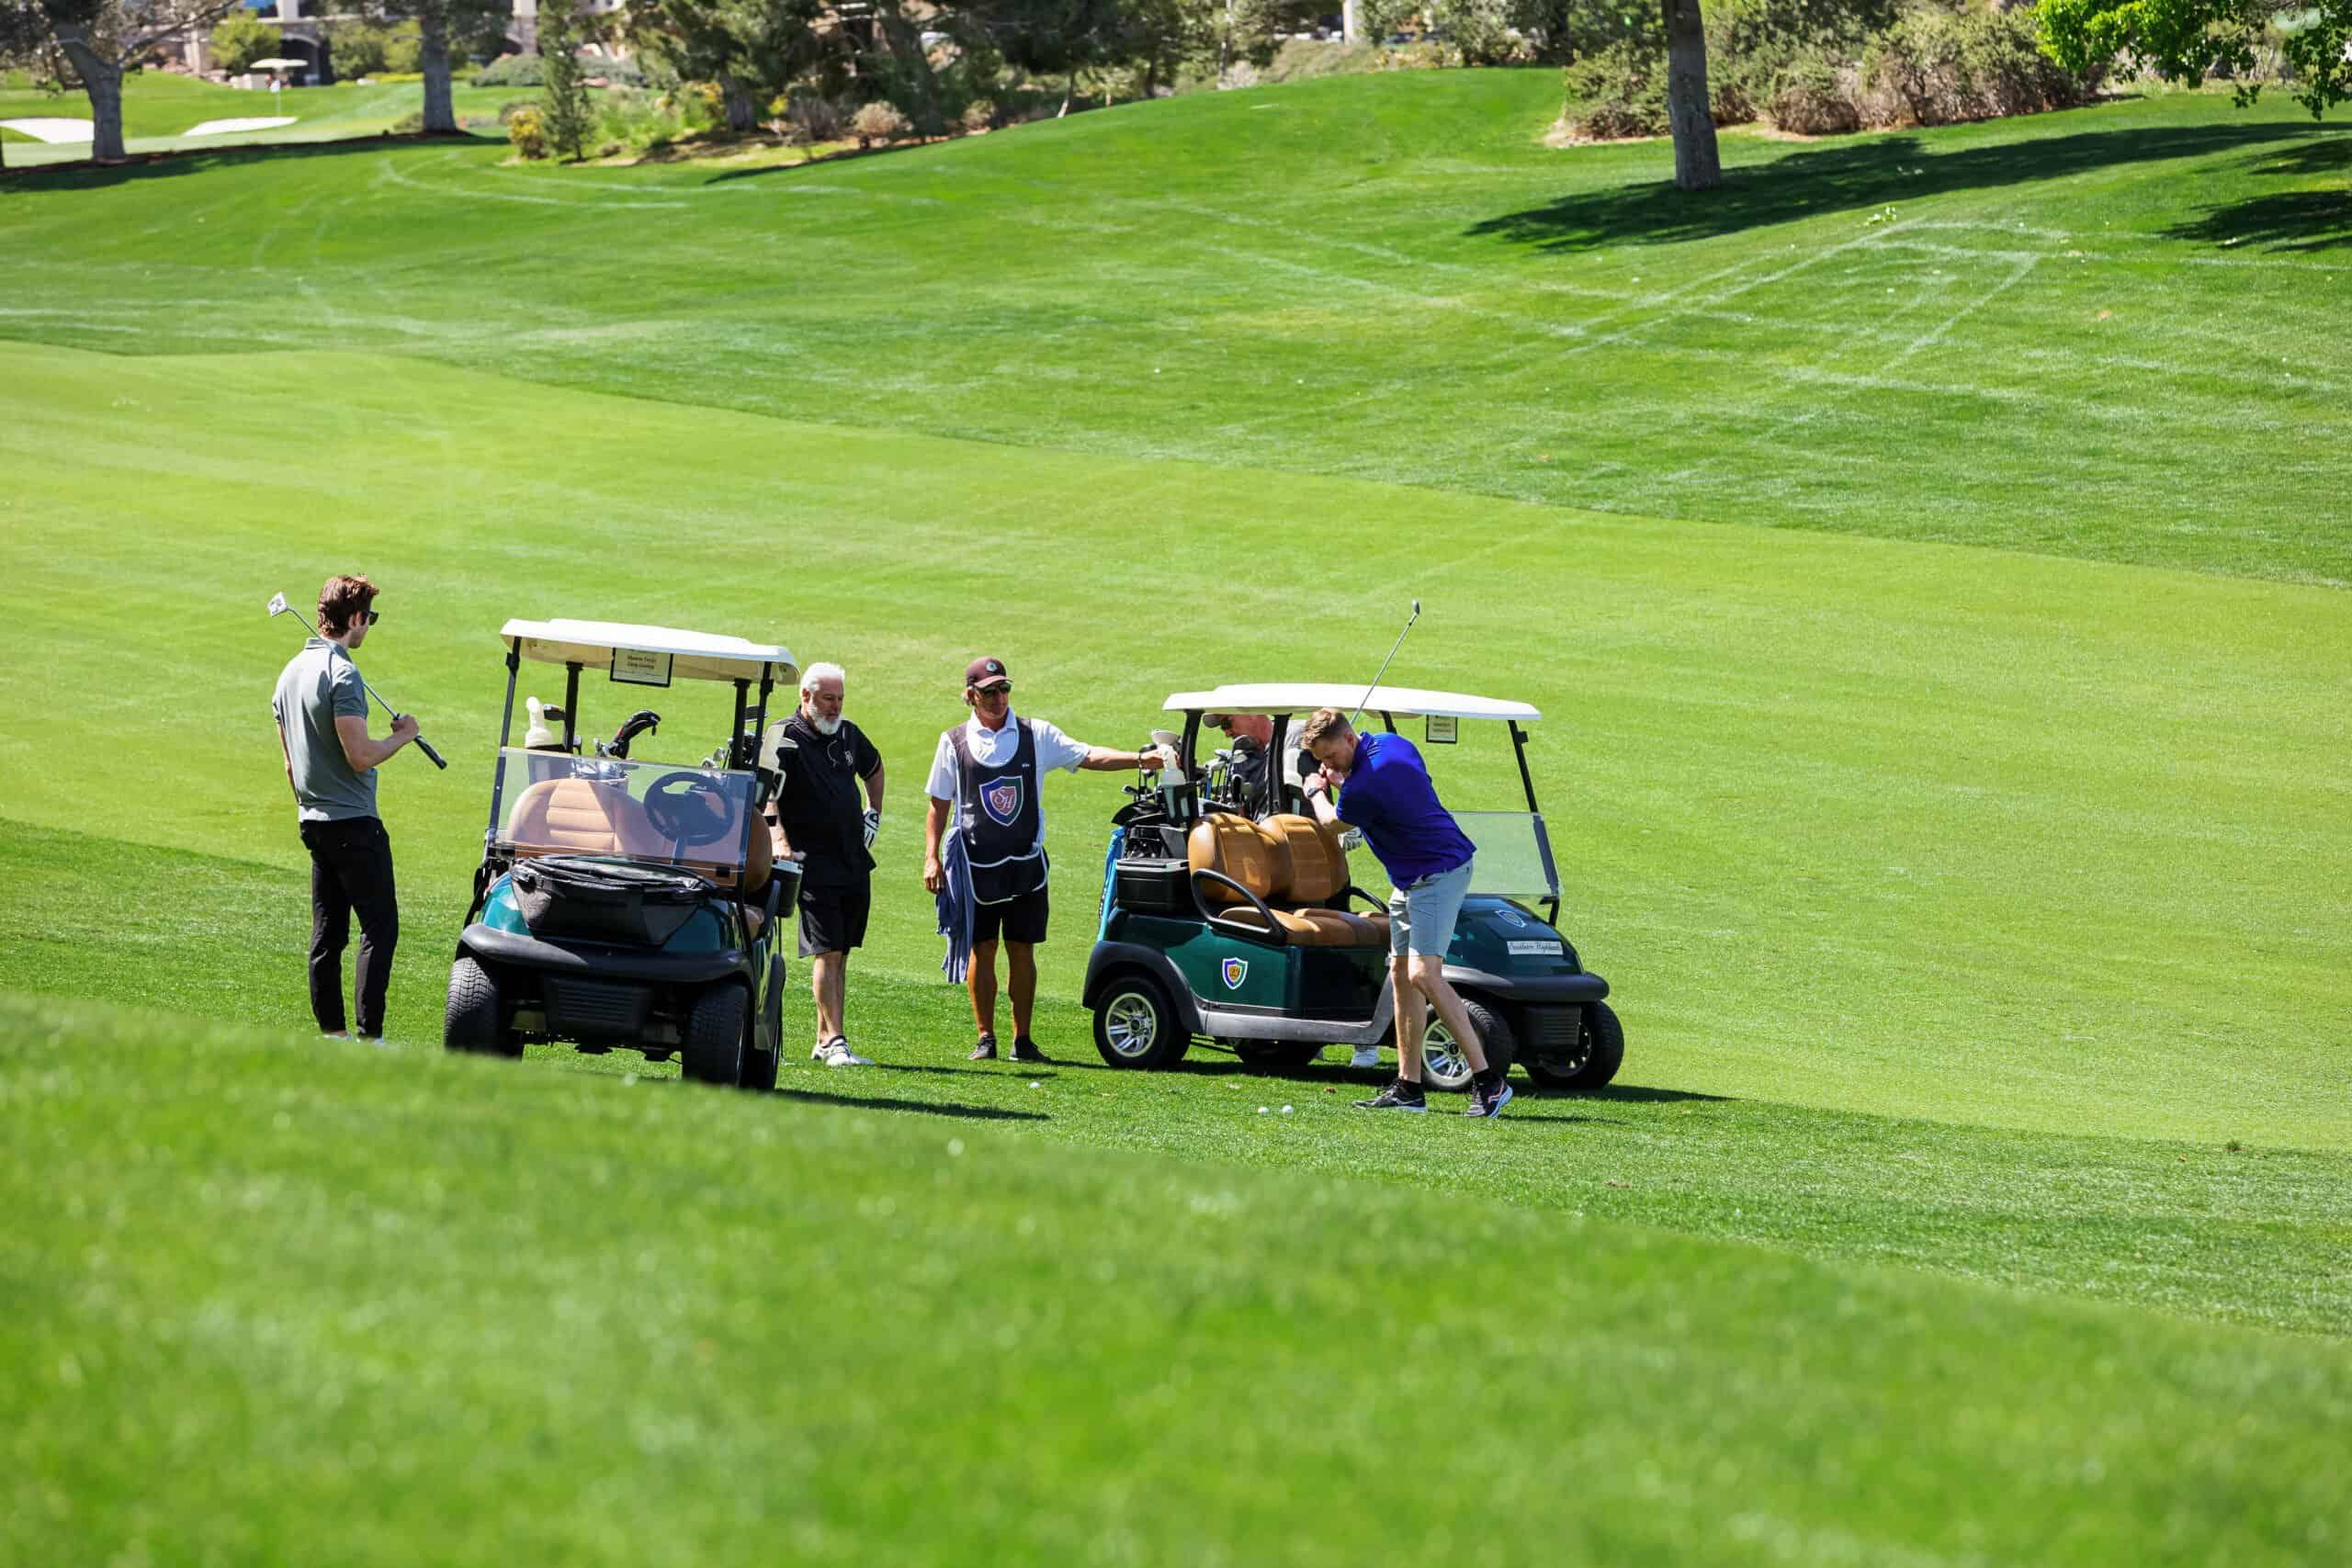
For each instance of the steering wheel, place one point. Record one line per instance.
(689, 808)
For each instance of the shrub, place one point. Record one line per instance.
(237, 42)
(512, 70)
(1813, 97)
(1617, 91)
(617, 71)
(818, 117)
(978, 114)
(878, 122)
(528, 134)
(513, 106)
(1935, 66)
(409, 124)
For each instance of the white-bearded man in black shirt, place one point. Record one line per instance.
(826, 760)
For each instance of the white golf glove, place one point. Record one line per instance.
(873, 826)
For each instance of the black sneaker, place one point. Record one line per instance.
(1488, 1100)
(1398, 1096)
(985, 1051)
(1025, 1049)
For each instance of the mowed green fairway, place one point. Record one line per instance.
(1979, 1184)
(2115, 332)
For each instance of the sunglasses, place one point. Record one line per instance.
(371, 617)
(992, 690)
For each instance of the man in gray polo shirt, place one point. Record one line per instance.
(322, 710)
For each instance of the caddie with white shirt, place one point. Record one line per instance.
(984, 845)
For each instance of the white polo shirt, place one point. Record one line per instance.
(994, 749)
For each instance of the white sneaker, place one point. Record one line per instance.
(1365, 1056)
(835, 1052)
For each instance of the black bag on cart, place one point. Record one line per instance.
(589, 900)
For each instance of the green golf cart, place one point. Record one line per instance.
(1230, 914)
(626, 904)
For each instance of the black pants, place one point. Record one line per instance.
(351, 868)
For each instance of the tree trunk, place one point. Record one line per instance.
(1069, 93)
(742, 114)
(1350, 21)
(102, 81)
(1696, 165)
(433, 59)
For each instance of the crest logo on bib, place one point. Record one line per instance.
(1001, 798)
(1235, 971)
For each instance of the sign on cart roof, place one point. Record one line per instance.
(697, 656)
(1304, 696)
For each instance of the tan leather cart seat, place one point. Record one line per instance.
(1290, 861)
(576, 817)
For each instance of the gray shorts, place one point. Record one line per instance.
(1422, 915)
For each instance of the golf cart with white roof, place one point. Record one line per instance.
(1229, 912)
(623, 903)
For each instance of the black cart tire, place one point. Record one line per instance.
(475, 1019)
(1135, 1024)
(1590, 1064)
(714, 1048)
(765, 1053)
(1276, 1056)
(1444, 1066)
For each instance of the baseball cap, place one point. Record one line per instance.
(984, 672)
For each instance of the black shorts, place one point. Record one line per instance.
(833, 919)
(1016, 920)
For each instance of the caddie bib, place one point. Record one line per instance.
(996, 812)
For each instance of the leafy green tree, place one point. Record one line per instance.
(1058, 37)
(89, 43)
(362, 47)
(753, 49)
(242, 39)
(566, 110)
(2183, 40)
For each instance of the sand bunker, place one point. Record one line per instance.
(51, 129)
(224, 127)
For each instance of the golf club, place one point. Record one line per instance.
(1384, 663)
(278, 607)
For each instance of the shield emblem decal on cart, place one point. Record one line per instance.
(1001, 798)
(1235, 971)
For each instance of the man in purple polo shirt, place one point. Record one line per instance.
(1389, 796)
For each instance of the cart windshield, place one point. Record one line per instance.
(1514, 854)
(553, 803)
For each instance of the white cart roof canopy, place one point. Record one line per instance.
(694, 656)
(1305, 696)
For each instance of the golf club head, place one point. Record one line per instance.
(278, 604)
(1417, 613)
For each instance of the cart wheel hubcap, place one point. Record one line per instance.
(1443, 1060)
(1131, 1023)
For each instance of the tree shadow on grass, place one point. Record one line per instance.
(920, 1107)
(85, 174)
(1852, 175)
(2288, 220)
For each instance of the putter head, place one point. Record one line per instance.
(278, 604)
(1416, 609)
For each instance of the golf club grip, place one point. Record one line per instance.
(426, 747)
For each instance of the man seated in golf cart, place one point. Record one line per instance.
(1251, 779)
